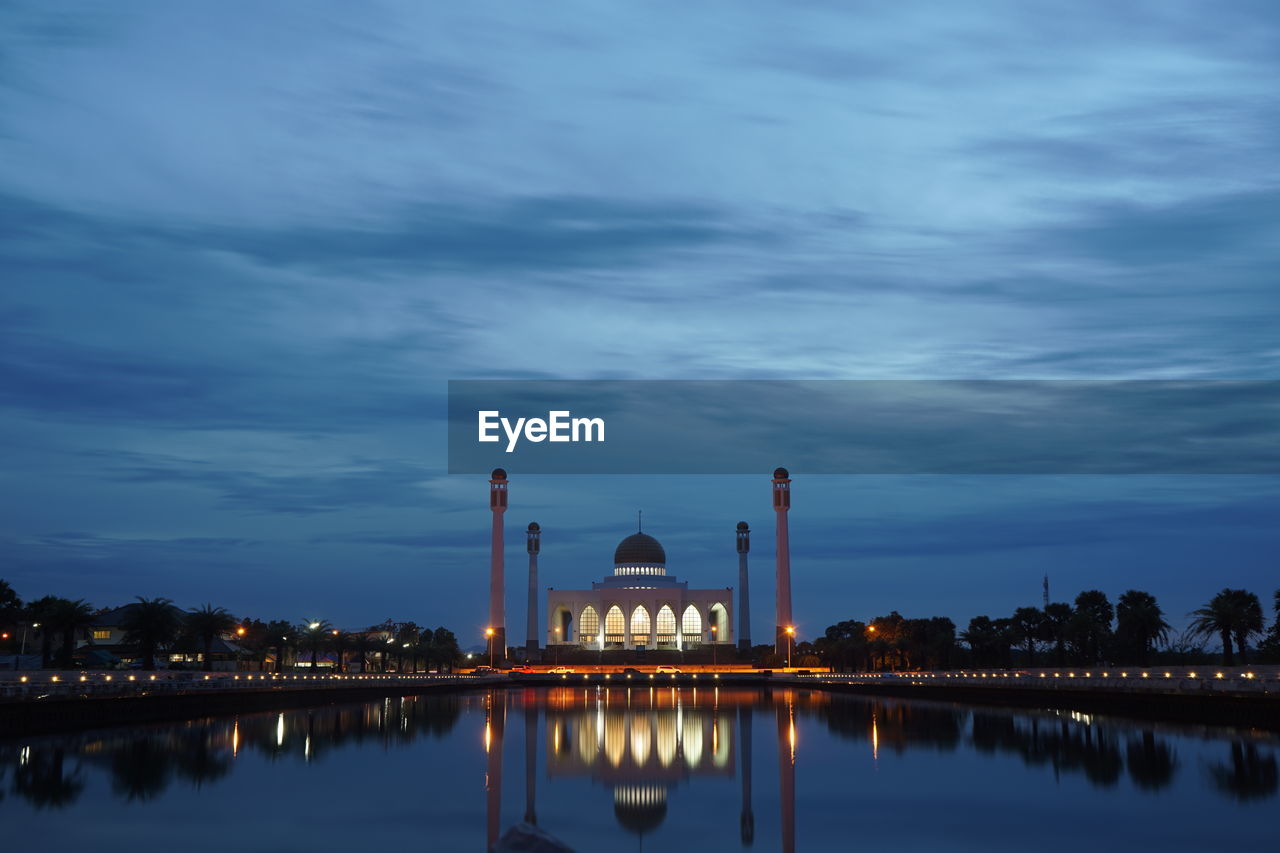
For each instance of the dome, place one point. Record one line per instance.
(498, 474)
(640, 808)
(780, 474)
(639, 549)
(533, 527)
(742, 525)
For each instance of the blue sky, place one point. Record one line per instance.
(245, 245)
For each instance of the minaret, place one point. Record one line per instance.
(744, 595)
(497, 627)
(534, 545)
(782, 503)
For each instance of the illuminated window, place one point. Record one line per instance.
(588, 624)
(640, 626)
(691, 623)
(102, 633)
(615, 625)
(666, 625)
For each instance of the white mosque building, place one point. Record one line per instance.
(639, 606)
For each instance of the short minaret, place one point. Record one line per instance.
(531, 635)
(782, 503)
(744, 594)
(496, 630)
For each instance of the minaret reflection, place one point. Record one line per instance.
(787, 771)
(494, 722)
(747, 823)
(530, 761)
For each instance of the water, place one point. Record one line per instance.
(655, 769)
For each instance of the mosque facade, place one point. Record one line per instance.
(639, 606)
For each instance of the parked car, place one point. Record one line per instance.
(484, 670)
(631, 670)
(671, 669)
(560, 670)
(520, 667)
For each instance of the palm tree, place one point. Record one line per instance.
(42, 611)
(1057, 616)
(1028, 625)
(340, 641)
(1139, 624)
(314, 633)
(1091, 624)
(205, 624)
(280, 635)
(68, 618)
(1250, 622)
(150, 623)
(1219, 617)
(362, 645)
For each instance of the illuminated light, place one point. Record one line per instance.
(206, 678)
(82, 678)
(651, 676)
(1248, 675)
(1057, 675)
(1217, 675)
(1168, 675)
(1124, 675)
(1144, 675)
(55, 678)
(1104, 675)
(131, 678)
(108, 678)
(1042, 675)
(1191, 675)
(717, 675)
(1088, 675)
(1071, 675)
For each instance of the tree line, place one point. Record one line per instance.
(153, 627)
(1087, 632)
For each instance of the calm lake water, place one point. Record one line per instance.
(643, 768)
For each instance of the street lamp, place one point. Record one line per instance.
(713, 646)
(239, 636)
(791, 633)
(488, 632)
(557, 629)
(17, 661)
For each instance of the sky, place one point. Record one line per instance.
(244, 246)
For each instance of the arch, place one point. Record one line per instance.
(691, 624)
(718, 617)
(615, 625)
(666, 624)
(559, 628)
(588, 625)
(640, 626)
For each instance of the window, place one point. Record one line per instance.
(640, 626)
(666, 625)
(102, 633)
(615, 625)
(589, 625)
(691, 623)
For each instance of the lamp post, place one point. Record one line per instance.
(239, 636)
(557, 645)
(18, 660)
(713, 646)
(791, 638)
(488, 632)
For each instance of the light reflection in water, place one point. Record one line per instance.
(656, 757)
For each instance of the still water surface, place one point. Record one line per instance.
(648, 768)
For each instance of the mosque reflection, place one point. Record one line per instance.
(636, 746)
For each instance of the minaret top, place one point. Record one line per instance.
(781, 473)
(501, 474)
(533, 527)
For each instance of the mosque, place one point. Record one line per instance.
(639, 606)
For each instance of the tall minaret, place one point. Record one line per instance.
(497, 627)
(744, 594)
(534, 545)
(782, 503)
